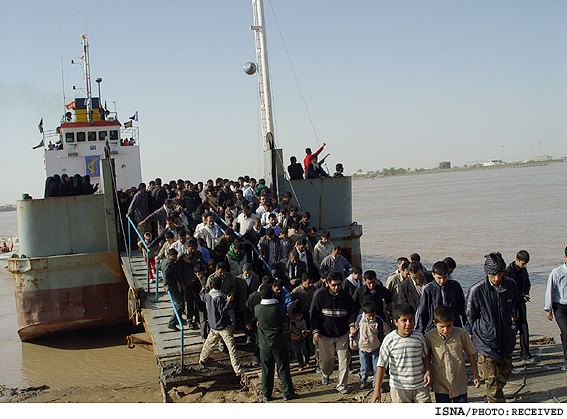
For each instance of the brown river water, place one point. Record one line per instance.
(459, 214)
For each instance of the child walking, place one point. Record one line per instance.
(149, 254)
(298, 331)
(370, 332)
(404, 351)
(446, 344)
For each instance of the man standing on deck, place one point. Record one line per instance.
(556, 303)
(294, 170)
(140, 208)
(489, 311)
(518, 272)
(173, 282)
(310, 155)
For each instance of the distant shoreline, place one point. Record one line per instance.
(8, 208)
(398, 172)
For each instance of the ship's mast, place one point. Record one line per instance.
(263, 75)
(87, 70)
(273, 167)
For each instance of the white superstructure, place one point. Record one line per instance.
(78, 144)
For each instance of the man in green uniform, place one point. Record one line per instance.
(273, 348)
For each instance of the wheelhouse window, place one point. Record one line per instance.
(102, 135)
(92, 135)
(80, 137)
(114, 135)
(69, 137)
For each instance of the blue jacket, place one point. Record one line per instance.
(489, 312)
(217, 309)
(433, 296)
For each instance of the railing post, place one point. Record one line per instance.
(157, 283)
(180, 324)
(148, 268)
(129, 238)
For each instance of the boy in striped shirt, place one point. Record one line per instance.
(404, 351)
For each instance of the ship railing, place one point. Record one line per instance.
(130, 133)
(180, 324)
(147, 253)
(177, 315)
(254, 249)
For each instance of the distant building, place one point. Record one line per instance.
(445, 165)
(493, 163)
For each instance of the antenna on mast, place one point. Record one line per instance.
(62, 71)
(87, 70)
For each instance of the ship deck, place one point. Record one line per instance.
(166, 343)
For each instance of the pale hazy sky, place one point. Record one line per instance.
(387, 83)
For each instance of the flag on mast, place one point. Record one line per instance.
(40, 126)
(134, 117)
(38, 146)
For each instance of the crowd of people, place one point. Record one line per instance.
(68, 186)
(235, 257)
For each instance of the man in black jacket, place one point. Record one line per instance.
(441, 292)
(490, 305)
(295, 169)
(410, 289)
(373, 290)
(173, 281)
(518, 272)
(332, 317)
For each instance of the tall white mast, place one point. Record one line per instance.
(87, 70)
(263, 75)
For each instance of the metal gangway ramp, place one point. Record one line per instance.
(152, 310)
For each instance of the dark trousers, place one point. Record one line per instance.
(444, 398)
(203, 325)
(269, 358)
(522, 325)
(191, 301)
(178, 303)
(300, 351)
(560, 313)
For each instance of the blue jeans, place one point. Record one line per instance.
(444, 398)
(368, 361)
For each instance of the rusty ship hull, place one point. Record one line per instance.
(63, 293)
(67, 275)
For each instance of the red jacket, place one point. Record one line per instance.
(308, 158)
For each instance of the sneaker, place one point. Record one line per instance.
(173, 327)
(564, 368)
(324, 380)
(267, 399)
(529, 359)
(318, 370)
(307, 365)
(200, 366)
(300, 369)
(362, 385)
(343, 390)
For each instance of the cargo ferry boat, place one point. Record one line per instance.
(67, 273)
